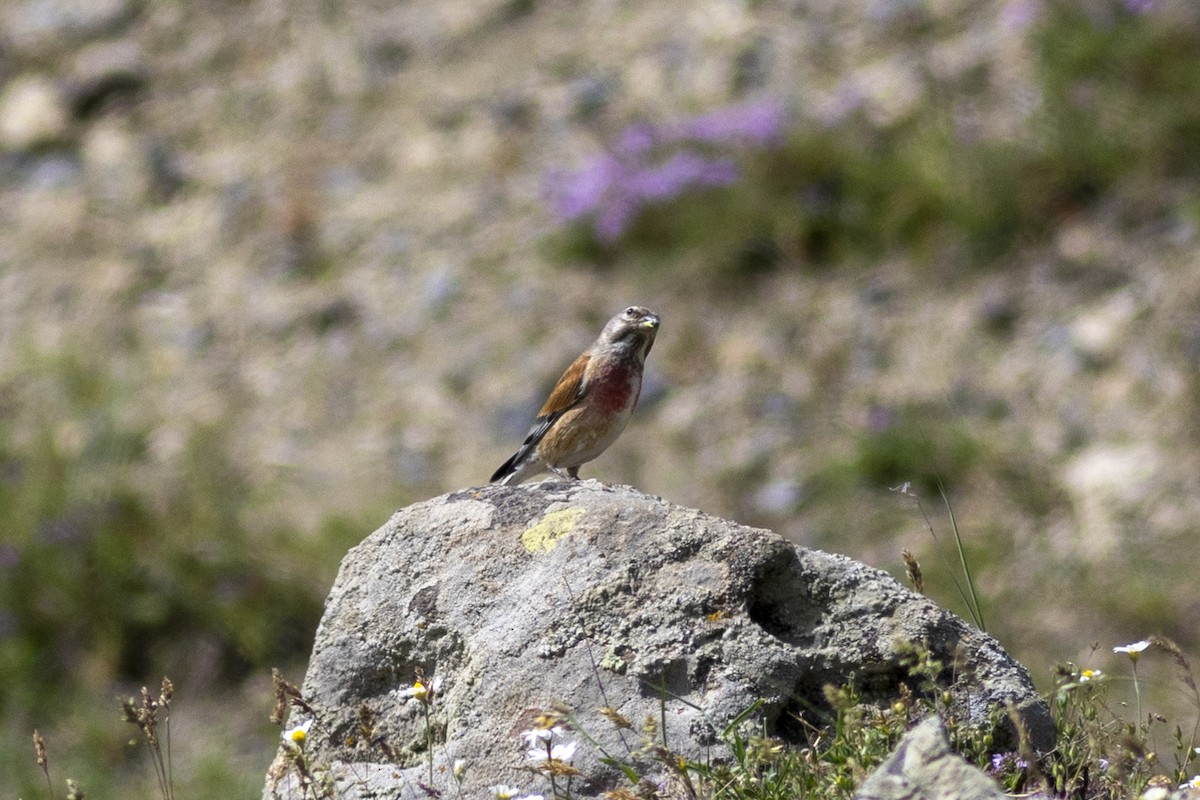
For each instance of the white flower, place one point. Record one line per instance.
(1155, 793)
(563, 752)
(1194, 783)
(417, 690)
(503, 791)
(296, 736)
(1089, 675)
(1132, 649)
(425, 692)
(540, 737)
(559, 752)
(460, 766)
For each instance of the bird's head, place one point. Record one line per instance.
(631, 332)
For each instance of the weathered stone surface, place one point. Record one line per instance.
(34, 26)
(923, 767)
(32, 113)
(515, 599)
(105, 75)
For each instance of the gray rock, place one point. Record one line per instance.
(32, 26)
(592, 94)
(33, 114)
(923, 767)
(1100, 336)
(50, 171)
(114, 161)
(513, 600)
(104, 75)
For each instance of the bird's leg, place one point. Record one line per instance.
(560, 473)
(573, 472)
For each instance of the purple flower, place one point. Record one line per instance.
(582, 191)
(758, 124)
(637, 139)
(1139, 6)
(747, 124)
(615, 189)
(651, 164)
(1005, 761)
(656, 184)
(615, 217)
(679, 172)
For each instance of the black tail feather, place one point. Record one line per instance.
(507, 468)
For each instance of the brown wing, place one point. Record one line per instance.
(569, 389)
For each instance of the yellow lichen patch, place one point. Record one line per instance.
(545, 534)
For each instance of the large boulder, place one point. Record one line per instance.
(512, 601)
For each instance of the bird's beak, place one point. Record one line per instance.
(650, 322)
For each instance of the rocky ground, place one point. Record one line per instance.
(316, 235)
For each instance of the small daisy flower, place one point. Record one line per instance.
(503, 791)
(297, 735)
(1089, 675)
(540, 737)
(560, 752)
(460, 766)
(563, 752)
(537, 736)
(1132, 650)
(417, 690)
(1194, 783)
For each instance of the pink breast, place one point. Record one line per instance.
(616, 388)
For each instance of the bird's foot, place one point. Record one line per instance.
(569, 474)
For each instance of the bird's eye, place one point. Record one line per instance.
(631, 312)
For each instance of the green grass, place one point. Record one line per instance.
(1099, 753)
(113, 567)
(221, 744)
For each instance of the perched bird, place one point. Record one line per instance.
(590, 405)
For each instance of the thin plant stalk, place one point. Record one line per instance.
(39, 749)
(972, 598)
(1137, 692)
(428, 741)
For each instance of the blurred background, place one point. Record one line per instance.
(271, 269)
